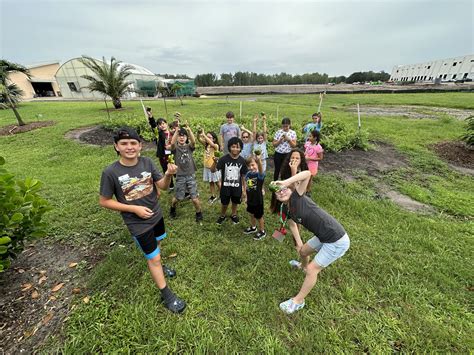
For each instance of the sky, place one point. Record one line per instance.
(195, 37)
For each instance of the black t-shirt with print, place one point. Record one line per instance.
(254, 185)
(232, 171)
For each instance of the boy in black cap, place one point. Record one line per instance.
(134, 181)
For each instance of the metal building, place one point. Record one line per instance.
(143, 82)
(451, 69)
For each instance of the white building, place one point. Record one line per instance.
(73, 85)
(451, 69)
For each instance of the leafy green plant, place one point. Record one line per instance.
(468, 138)
(336, 136)
(21, 211)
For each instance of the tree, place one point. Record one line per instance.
(9, 92)
(176, 91)
(110, 78)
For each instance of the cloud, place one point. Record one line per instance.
(336, 37)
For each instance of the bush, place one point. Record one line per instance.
(21, 212)
(468, 138)
(336, 136)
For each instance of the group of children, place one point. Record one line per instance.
(236, 176)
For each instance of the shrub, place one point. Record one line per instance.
(21, 212)
(468, 138)
(336, 136)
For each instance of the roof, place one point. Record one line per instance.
(41, 64)
(136, 69)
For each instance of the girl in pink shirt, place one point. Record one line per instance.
(313, 152)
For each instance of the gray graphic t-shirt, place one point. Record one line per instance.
(304, 211)
(183, 157)
(229, 131)
(134, 185)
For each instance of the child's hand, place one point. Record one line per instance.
(143, 212)
(172, 169)
(255, 118)
(294, 166)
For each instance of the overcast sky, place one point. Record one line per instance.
(192, 37)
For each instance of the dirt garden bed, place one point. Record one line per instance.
(98, 135)
(15, 129)
(455, 153)
(38, 290)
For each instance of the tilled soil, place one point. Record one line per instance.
(97, 135)
(15, 129)
(383, 158)
(37, 293)
(455, 153)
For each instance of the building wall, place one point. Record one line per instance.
(45, 72)
(444, 69)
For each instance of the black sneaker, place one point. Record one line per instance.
(235, 219)
(168, 271)
(260, 235)
(250, 230)
(220, 220)
(198, 217)
(173, 212)
(175, 304)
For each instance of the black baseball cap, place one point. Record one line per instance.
(126, 133)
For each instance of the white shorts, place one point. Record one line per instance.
(209, 176)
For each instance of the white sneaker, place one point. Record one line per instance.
(290, 307)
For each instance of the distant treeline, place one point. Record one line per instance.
(250, 78)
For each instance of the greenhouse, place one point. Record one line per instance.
(143, 82)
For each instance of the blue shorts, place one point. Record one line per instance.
(148, 241)
(329, 252)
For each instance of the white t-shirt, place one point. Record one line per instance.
(284, 147)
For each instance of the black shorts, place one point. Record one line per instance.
(225, 199)
(255, 210)
(148, 241)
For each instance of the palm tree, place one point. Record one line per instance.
(9, 92)
(176, 90)
(109, 79)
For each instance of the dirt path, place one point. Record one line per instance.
(414, 112)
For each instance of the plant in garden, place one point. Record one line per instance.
(10, 93)
(336, 136)
(22, 209)
(110, 78)
(468, 138)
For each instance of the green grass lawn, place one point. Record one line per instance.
(404, 284)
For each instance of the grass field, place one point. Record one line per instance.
(403, 286)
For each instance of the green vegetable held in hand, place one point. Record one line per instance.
(257, 151)
(217, 153)
(171, 159)
(262, 113)
(274, 187)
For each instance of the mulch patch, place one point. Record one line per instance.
(38, 292)
(455, 153)
(15, 129)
